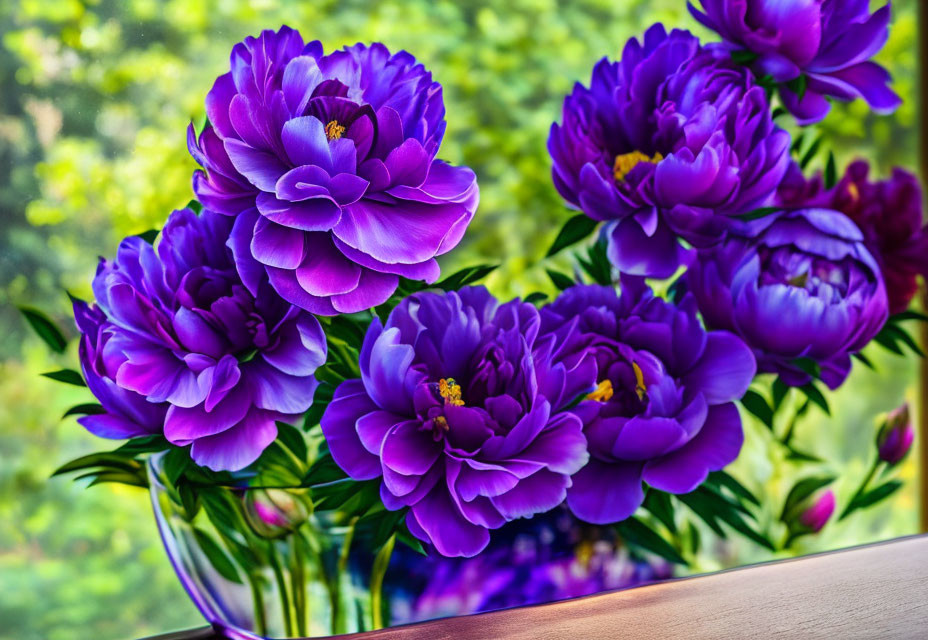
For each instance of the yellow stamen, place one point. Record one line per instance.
(441, 423)
(603, 391)
(853, 191)
(640, 387)
(625, 162)
(800, 280)
(450, 391)
(333, 130)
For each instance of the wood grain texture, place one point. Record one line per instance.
(878, 591)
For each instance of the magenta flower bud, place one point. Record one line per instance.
(815, 514)
(895, 436)
(274, 512)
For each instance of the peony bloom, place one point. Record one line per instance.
(176, 343)
(889, 213)
(896, 435)
(668, 143)
(828, 42)
(797, 284)
(661, 403)
(455, 413)
(328, 164)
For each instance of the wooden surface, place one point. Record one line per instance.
(878, 591)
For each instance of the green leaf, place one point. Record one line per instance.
(704, 509)
(45, 329)
(323, 471)
(712, 507)
(560, 281)
(466, 276)
(659, 504)
(195, 206)
(723, 479)
(596, 264)
(800, 491)
(897, 334)
(761, 212)
(908, 315)
(778, 113)
(797, 143)
(102, 460)
(875, 495)
(146, 444)
(291, 438)
(809, 366)
(799, 85)
(321, 400)
(743, 57)
(115, 477)
(175, 463)
(638, 534)
(810, 153)
(780, 389)
(864, 360)
(757, 405)
(815, 394)
(800, 456)
(69, 376)
(216, 556)
(87, 409)
(574, 230)
(150, 235)
(536, 298)
(888, 342)
(831, 171)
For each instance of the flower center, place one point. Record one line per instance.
(625, 162)
(640, 387)
(853, 192)
(799, 281)
(450, 390)
(333, 130)
(603, 391)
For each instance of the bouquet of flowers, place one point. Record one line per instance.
(337, 437)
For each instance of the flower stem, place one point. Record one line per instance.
(257, 600)
(338, 613)
(287, 610)
(298, 579)
(378, 571)
(850, 508)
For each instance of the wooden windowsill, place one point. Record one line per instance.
(876, 591)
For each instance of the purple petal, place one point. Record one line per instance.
(349, 404)
(604, 493)
(276, 245)
(238, 446)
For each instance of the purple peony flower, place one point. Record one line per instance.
(895, 436)
(328, 164)
(828, 42)
(888, 212)
(796, 284)
(661, 408)
(455, 412)
(176, 343)
(668, 143)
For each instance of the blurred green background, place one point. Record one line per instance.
(95, 100)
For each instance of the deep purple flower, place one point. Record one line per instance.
(888, 212)
(328, 164)
(895, 436)
(176, 343)
(795, 284)
(829, 42)
(668, 143)
(455, 411)
(660, 407)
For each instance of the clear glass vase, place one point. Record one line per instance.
(259, 563)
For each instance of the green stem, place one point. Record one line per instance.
(257, 600)
(281, 588)
(378, 571)
(298, 578)
(338, 624)
(850, 508)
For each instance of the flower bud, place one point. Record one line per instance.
(274, 512)
(815, 513)
(895, 436)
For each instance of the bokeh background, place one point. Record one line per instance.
(95, 98)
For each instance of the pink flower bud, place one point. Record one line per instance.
(819, 509)
(895, 436)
